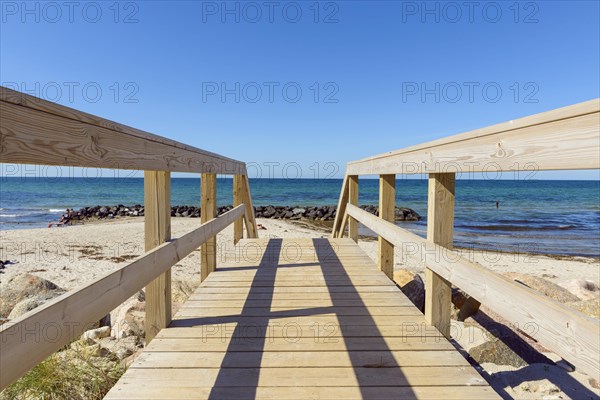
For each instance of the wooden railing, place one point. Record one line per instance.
(563, 139)
(35, 131)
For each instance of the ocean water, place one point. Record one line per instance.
(551, 217)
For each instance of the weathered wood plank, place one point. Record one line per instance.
(157, 230)
(324, 359)
(387, 211)
(562, 139)
(440, 230)
(250, 220)
(337, 230)
(291, 343)
(143, 391)
(569, 333)
(310, 377)
(238, 198)
(74, 312)
(36, 131)
(353, 199)
(208, 211)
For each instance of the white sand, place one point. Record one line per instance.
(72, 256)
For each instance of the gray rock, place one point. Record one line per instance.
(31, 303)
(496, 352)
(22, 287)
(412, 286)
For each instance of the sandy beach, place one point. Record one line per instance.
(77, 254)
(74, 255)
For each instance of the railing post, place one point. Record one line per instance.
(208, 211)
(387, 212)
(157, 228)
(353, 199)
(249, 218)
(440, 230)
(238, 199)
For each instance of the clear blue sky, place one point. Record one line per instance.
(366, 59)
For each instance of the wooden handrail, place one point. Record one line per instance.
(29, 339)
(562, 139)
(36, 131)
(571, 334)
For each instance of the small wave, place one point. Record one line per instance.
(516, 228)
(9, 215)
(55, 210)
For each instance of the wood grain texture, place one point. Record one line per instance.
(238, 198)
(387, 212)
(74, 312)
(562, 139)
(353, 199)
(208, 211)
(36, 131)
(567, 332)
(249, 218)
(440, 230)
(157, 230)
(340, 214)
(272, 341)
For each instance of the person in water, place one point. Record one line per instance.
(497, 204)
(64, 219)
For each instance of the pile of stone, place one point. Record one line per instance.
(323, 213)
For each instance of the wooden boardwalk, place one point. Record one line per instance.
(299, 319)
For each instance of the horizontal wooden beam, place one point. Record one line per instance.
(569, 333)
(36, 131)
(563, 139)
(31, 338)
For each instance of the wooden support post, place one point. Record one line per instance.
(238, 199)
(440, 230)
(249, 219)
(208, 211)
(387, 212)
(353, 199)
(340, 213)
(157, 227)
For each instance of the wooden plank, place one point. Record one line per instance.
(387, 211)
(309, 317)
(324, 359)
(157, 230)
(74, 312)
(250, 220)
(334, 329)
(440, 230)
(567, 332)
(307, 377)
(156, 392)
(337, 229)
(353, 199)
(201, 295)
(238, 198)
(274, 303)
(208, 211)
(198, 312)
(291, 343)
(562, 139)
(36, 131)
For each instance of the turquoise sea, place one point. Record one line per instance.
(553, 217)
